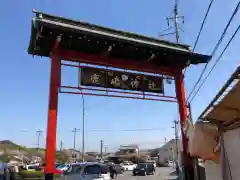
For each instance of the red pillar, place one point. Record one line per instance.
(52, 114)
(183, 112)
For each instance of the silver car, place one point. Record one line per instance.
(86, 171)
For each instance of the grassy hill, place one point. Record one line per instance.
(7, 145)
(9, 148)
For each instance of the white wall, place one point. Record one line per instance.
(232, 149)
(212, 171)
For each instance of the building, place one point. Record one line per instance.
(167, 152)
(127, 149)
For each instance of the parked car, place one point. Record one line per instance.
(144, 169)
(57, 171)
(115, 169)
(153, 162)
(58, 164)
(63, 167)
(119, 169)
(32, 167)
(128, 166)
(86, 171)
(109, 163)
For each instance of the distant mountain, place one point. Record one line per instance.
(6, 145)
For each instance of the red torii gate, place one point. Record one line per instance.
(65, 39)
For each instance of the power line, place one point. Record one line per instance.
(201, 28)
(147, 129)
(203, 22)
(215, 49)
(166, 34)
(160, 33)
(218, 59)
(151, 142)
(147, 142)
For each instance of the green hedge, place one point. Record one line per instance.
(33, 174)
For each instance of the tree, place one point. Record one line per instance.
(61, 157)
(5, 158)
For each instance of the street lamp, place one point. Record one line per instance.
(83, 114)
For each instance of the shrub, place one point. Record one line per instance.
(33, 174)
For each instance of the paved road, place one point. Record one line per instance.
(162, 173)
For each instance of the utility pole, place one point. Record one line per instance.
(196, 169)
(101, 149)
(105, 149)
(138, 154)
(39, 133)
(75, 130)
(175, 19)
(165, 140)
(61, 145)
(176, 144)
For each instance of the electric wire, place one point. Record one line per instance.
(203, 23)
(200, 31)
(124, 130)
(216, 62)
(215, 49)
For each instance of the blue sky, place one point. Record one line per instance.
(25, 80)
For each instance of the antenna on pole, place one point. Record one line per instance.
(175, 19)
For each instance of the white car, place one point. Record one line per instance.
(86, 171)
(128, 166)
(63, 167)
